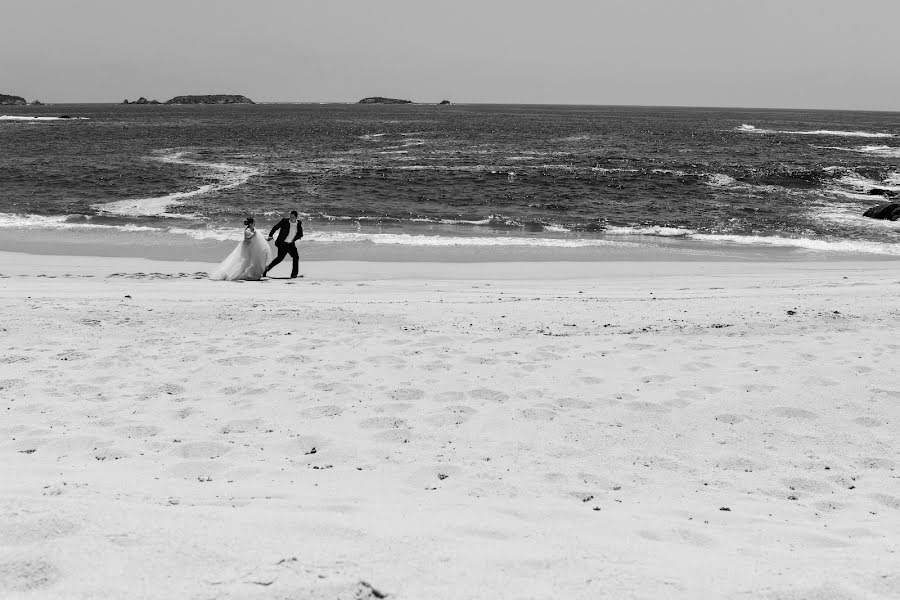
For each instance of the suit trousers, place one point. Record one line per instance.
(283, 250)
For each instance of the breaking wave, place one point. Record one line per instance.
(745, 128)
(227, 176)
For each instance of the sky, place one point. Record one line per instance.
(760, 53)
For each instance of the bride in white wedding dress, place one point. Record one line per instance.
(248, 261)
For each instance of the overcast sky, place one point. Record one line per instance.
(760, 53)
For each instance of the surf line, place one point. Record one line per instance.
(227, 176)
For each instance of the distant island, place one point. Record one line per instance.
(8, 100)
(380, 100)
(211, 99)
(141, 100)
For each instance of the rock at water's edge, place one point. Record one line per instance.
(8, 100)
(444, 102)
(211, 99)
(883, 192)
(37, 103)
(887, 212)
(381, 100)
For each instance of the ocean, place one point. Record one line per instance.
(509, 176)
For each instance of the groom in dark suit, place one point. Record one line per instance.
(290, 230)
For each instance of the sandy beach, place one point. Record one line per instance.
(625, 429)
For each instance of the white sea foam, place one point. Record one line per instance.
(720, 180)
(15, 221)
(614, 170)
(669, 172)
(821, 132)
(228, 176)
(653, 230)
(405, 239)
(855, 246)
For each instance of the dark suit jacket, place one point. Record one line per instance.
(283, 227)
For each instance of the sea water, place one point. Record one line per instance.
(463, 175)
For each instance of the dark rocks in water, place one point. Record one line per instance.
(380, 100)
(883, 192)
(887, 212)
(444, 102)
(37, 103)
(64, 117)
(211, 99)
(8, 100)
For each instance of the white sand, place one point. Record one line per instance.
(538, 430)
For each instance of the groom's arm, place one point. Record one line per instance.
(274, 229)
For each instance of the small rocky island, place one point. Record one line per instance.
(444, 102)
(211, 99)
(141, 100)
(381, 100)
(8, 100)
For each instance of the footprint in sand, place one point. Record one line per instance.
(27, 575)
(795, 413)
(884, 464)
(320, 412)
(731, 419)
(678, 536)
(242, 426)
(489, 395)
(393, 436)
(210, 450)
(239, 361)
(30, 531)
(140, 431)
(887, 500)
(537, 414)
(450, 396)
(451, 416)
(575, 403)
(804, 484)
(647, 407)
(407, 394)
(736, 463)
(383, 423)
(392, 408)
(656, 379)
(71, 355)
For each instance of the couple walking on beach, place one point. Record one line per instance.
(249, 261)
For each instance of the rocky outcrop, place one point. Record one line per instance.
(883, 192)
(141, 100)
(444, 102)
(8, 100)
(37, 103)
(211, 99)
(381, 100)
(887, 212)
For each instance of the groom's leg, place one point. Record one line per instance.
(295, 256)
(282, 252)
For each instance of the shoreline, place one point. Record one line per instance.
(162, 245)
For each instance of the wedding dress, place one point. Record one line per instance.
(247, 261)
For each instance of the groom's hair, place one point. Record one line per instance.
(294, 212)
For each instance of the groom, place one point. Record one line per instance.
(289, 231)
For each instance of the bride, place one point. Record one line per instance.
(247, 261)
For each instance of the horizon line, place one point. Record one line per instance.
(413, 102)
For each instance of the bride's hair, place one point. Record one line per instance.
(249, 221)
